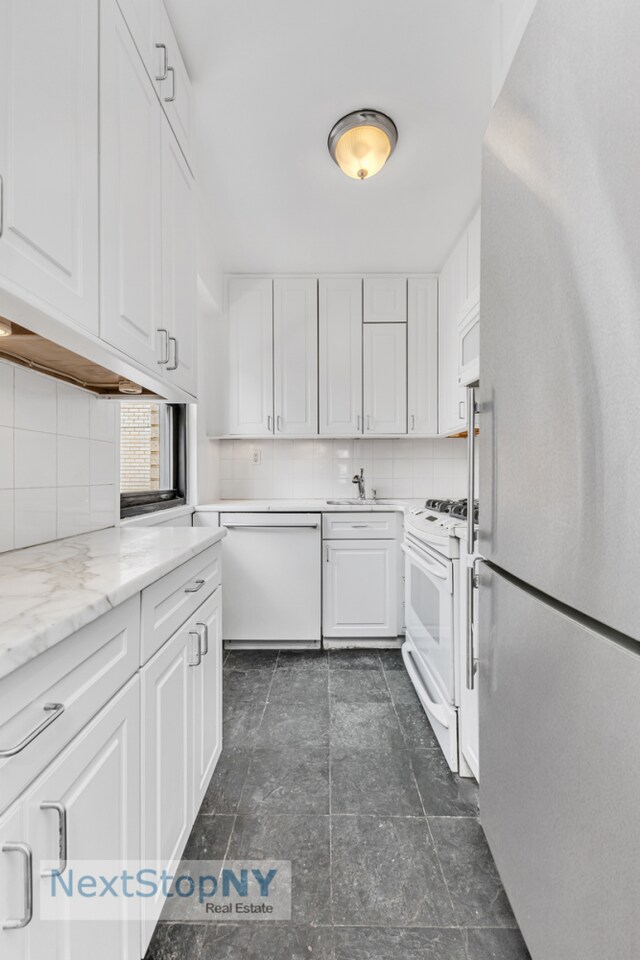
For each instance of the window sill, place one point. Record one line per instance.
(158, 516)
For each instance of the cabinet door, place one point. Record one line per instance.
(141, 20)
(130, 195)
(49, 154)
(340, 361)
(385, 300)
(250, 312)
(360, 588)
(473, 256)
(385, 378)
(174, 86)
(166, 767)
(179, 297)
(206, 698)
(97, 780)
(452, 295)
(422, 357)
(295, 367)
(15, 887)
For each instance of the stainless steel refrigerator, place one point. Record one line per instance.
(559, 402)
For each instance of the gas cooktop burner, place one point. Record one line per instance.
(440, 506)
(455, 508)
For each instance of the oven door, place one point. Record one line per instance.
(429, 612)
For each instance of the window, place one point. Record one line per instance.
(152, 457)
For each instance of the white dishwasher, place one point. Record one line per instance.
(272, 580)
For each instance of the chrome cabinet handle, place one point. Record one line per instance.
(61, 810)
(165, 332)
(358, 423)
(205, 637)
(199, 585)
(173, 86)
(269, 423)
(472, 663)
(55, 710)
(195, 659)
(278, 423)
(174, 365)
(27, 853)
(413, 421)
(326, 554)
(368, 422)
(165, 61)
(461, 410)
(471, 466)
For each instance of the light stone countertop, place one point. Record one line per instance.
(50, 591)
(303, 506)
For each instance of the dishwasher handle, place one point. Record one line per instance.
(273, 526)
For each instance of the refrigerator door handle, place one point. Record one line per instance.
(471, 464)
(472, 662)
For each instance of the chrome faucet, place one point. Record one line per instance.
(359, 479)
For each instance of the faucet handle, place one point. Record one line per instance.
(374, 493)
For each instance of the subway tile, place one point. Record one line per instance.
(322, 449)
(363, 448)
(402, 448)
(34, 401)
(282, 449)
(35, 459)
(402, 488)
(102, 462)
(226, 449)
(103, 415)
(382, 449)
(422, 469)
(6, 458)
(441, 449)
(402, 469)
(302, 449)
(6, 394)
(6, 520)
(73, 462)
(73, 411)
(73, 510)
(342, 449)
(35, 516)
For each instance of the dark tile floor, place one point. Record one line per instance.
(329, 762)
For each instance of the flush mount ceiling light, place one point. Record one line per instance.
(5, 328)
(362, 142)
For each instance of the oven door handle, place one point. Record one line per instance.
(431, 570)
(437, 711)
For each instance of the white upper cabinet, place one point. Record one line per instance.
(340, 361)
(295, 367)
(250, 314)
(179, 281)
(452, 297)
(142, 20)
(473, 256)
(49, 155)
(385, 378)
(422, 357)
(385, 300)
(173, 84)
(130, 196)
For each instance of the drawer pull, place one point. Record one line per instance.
(55, 710)
(61, 810)
(26, 852)
(360, 526)
(195, 659)
(198, 586)
(205, 637)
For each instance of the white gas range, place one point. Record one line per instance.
(431, 649)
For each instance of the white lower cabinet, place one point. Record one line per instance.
(206, 700)
(385, 378)
(360, 588)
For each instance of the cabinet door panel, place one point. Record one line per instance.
(49, 153)
(360, 589)
(14, 943)
(385, 378)
(385, 300)
(340, 361)
(250, 311)
(97, 778)
(175, 89)
(206, 697)
(295, 337)
(179, 297)
(453, 293)
(130, 195)
(422, 357)
(141, 16)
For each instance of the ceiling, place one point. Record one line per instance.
(271, 77)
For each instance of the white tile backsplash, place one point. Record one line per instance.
(58, 464)
(302, 469)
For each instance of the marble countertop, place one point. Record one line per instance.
(302, 506)
(49, 591)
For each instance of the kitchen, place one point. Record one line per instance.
(317, 387)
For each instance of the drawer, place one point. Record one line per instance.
(80, 674)
(360, 526)
(169, 602)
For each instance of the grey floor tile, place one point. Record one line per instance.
(304, 840)
(251, 659)
(384, 943)
(209, 838)
(176, 941)
(257, 941)
(373, 781)
(416, 729)
(392, 660)
(299, 686)
(401, 689)
(241, 684)
(242, 719)
(223, 793)
(354, 660)
(443, 793)
(385, 871)
(364, 726)
(294, 725)
(287, 781)
(310, 661)
(472, 877)
(355, 686)
(494, 944)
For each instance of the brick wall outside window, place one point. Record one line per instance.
(139, 447)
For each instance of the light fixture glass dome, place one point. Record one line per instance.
(362, 142)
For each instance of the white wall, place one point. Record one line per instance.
(320, 468)
(58, 459)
